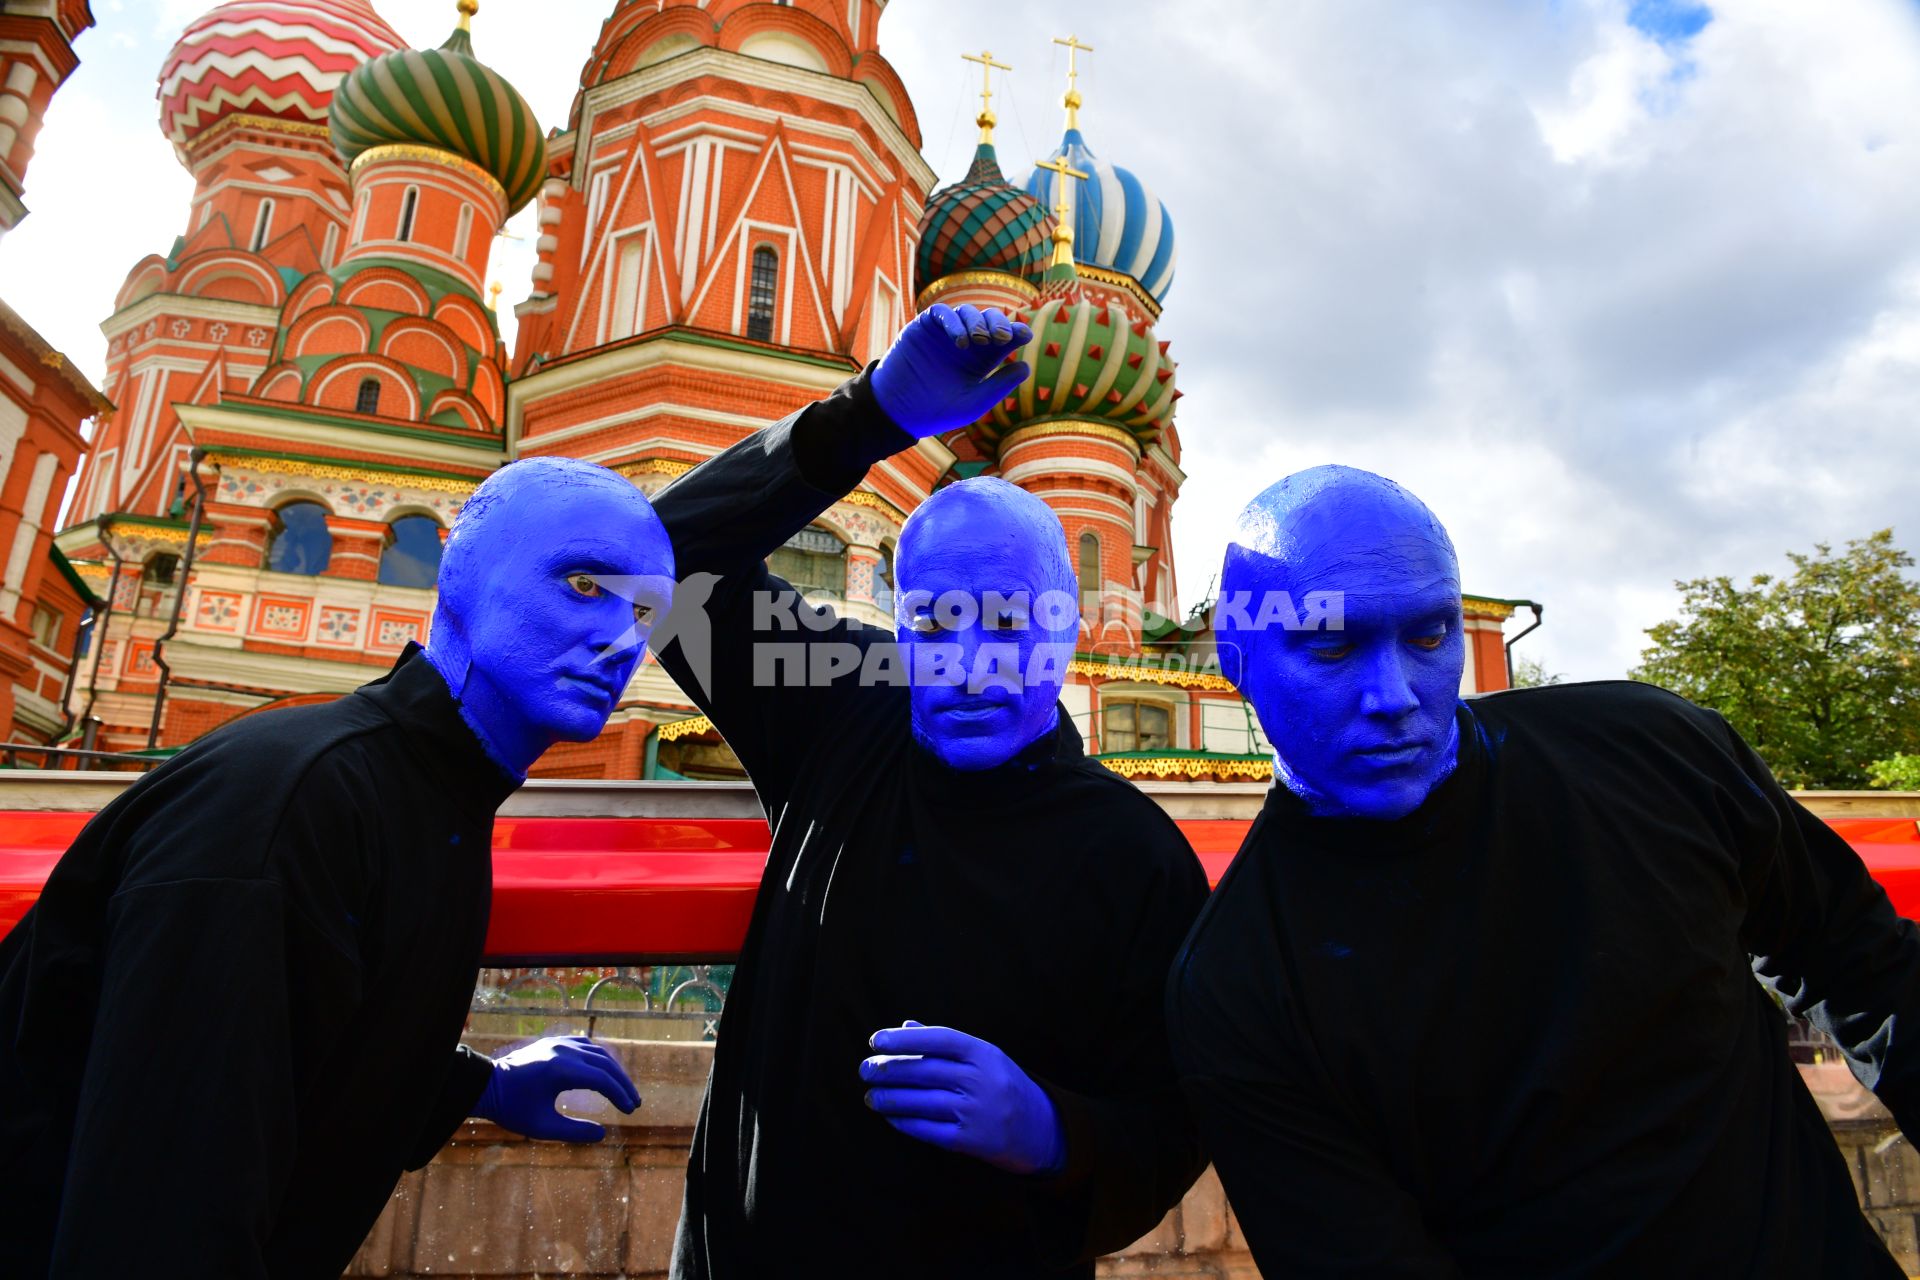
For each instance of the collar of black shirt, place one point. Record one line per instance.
(1030, 768)
(416, 697)
(1446, 812)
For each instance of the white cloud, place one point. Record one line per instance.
(1622, 311)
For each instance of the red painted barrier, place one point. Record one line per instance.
(611, 890)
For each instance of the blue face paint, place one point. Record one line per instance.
(1360, 713)
(553, 575)
(987, 618)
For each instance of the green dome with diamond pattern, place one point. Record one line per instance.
(982, 223)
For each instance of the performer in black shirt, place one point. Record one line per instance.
(1477, 996)
(232, 1018)
(943, 854)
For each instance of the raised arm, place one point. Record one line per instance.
(739, 641)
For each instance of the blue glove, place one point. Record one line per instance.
(526, 1084)
(961, 1093)
(948, 367)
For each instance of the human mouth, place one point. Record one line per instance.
(972, 709)
(1391, 753)
(600, 687)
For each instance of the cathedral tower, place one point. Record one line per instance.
(336, 464)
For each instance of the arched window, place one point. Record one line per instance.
(412, 555)
(883, 579)
(368, 399)
(814, 561)
(766, 273)
(262, 225)
(1089, 575)
(409, 205)
(302, 543)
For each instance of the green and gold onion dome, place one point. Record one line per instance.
(446, 99)
(982, 223)
(1092, 360)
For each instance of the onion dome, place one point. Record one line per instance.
(450, 101)
(1118, 225)
(281, 59)
(982, 223)
(1092, 359)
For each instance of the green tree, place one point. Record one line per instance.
(1531, 673)
(1897, 773)
(1816, 669)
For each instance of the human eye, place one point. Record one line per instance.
(584, 584)
(1429, 642)
(642, 613)
(1330, 652)
(923, 624)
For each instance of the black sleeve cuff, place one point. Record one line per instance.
(1078, 1126)
(460, 1090)
(835, 444)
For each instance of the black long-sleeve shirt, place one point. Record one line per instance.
(1517, 1033)
(1036, 905)
(231, 1020)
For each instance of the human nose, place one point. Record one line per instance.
(617, 631)
(1386, 690)
(990, 661)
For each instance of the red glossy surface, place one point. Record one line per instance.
(608, 889)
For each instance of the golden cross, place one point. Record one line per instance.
(986, 119)
(1072, 101)
(467, 9)
(1062, 209)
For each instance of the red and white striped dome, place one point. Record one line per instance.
(277, 58)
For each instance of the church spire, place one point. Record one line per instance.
(1062, 214)
(1072, 101)
(986, 119)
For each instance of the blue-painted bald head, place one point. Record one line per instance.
(987, 614)
(1339, 620)
(553, 575)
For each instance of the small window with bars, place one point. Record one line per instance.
(760, 289)
(368, 400)
(1135, 726)
(814, 562)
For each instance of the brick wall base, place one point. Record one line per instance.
(495, 1205)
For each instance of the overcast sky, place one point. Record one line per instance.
(1627, 292)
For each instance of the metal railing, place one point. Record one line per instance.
(59, 757)
(642, 1002)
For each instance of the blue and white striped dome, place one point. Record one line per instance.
(1117, 223)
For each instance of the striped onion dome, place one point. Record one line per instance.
(982, 223)
(449, 100)
(281, 59)
(1118, 224)
(1091, 359)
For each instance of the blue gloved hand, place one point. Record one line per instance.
(961, 1093)
(948, 367)
(526, 1084)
